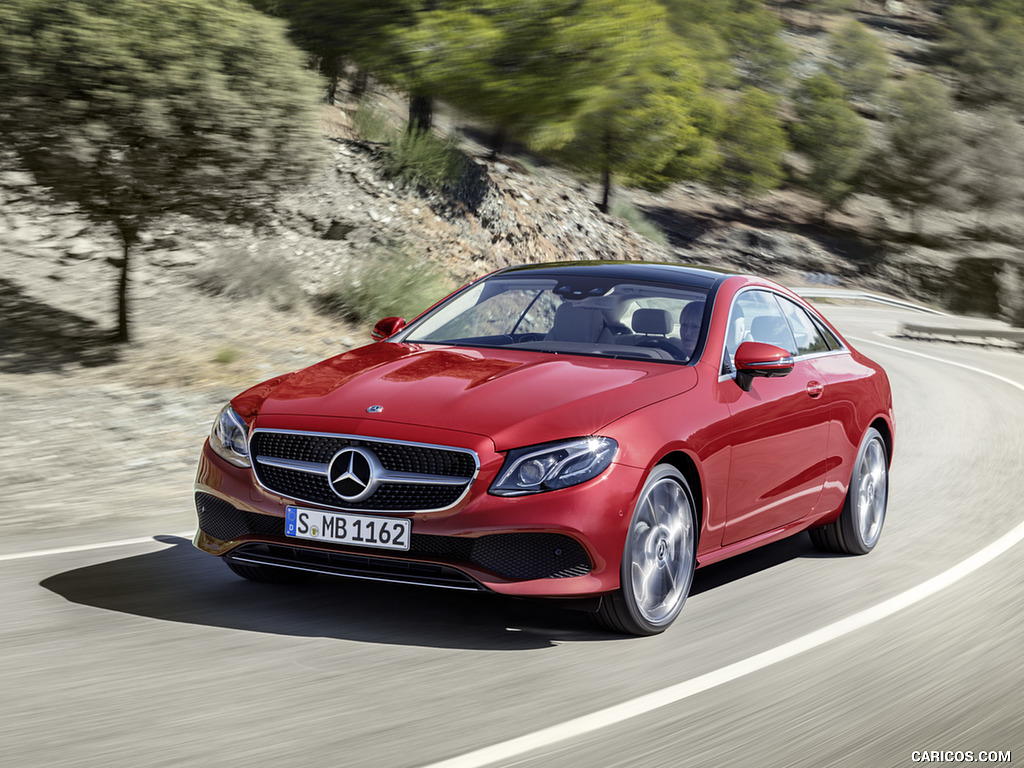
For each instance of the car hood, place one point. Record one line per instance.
(514, 397)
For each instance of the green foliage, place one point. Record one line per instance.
(985, 47)
(743, 33)
(641, 123)
(518, 65)
(859, 61)
(226, 355)
(752, 143)
(421, 159)
(832, 136)
(923, 160)
(388, 283)
(371, 124)
(362, 31)
(132, 109)
(412, 157)
(629, 213)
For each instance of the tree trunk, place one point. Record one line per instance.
(331, 67)
(606, 175)
(421, 112)
(498, 140)
(128, 239)
(606, 195)
(360, 83)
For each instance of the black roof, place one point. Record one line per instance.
(649, 271)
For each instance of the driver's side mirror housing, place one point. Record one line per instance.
(386, 328)
(754, 359)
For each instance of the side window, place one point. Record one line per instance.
(756, 317)
(808, 339)
(829, 336)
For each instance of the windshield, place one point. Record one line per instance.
(580, 315)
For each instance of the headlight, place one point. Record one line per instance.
(555, 465)
(228, 438)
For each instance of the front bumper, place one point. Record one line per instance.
(565, 543)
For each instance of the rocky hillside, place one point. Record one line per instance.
(217, 308)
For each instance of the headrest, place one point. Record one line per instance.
(576, 323)
(652, 321)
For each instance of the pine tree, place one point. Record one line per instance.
(749, 33)
(832, 136)
(922, 162)
(640, 123)
(752, 143)
(367, 33)
(984, 47)
(132, 110)
(994, 173)
(859, 62)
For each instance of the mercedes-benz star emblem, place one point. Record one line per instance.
(375, 409)
(354, 473)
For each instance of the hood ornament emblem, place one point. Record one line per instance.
(354, 473)
(375, 409)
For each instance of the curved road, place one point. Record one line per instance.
(149, 653)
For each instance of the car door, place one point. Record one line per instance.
(779, 429)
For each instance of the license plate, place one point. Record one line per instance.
(359, 530)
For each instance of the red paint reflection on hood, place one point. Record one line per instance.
(508, 395)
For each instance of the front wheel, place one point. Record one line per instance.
(658, 559)
(859, 525)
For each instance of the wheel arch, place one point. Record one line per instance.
(885, 430)
(688, 469)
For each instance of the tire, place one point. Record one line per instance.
(857, 529)
(658, 559)
(268, 574)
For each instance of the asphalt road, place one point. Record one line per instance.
(153, 654)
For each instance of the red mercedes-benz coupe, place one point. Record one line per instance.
(578, 430)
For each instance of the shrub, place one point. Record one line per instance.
(226, 355)
(371, 124)
(388, 283)
(238, 273)
(639, 223)
(419, 158)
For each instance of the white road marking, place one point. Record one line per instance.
(673, 694)
(641, 705)
(86, 547)
(906, 351)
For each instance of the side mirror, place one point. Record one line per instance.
(765, 360)
(386, 328)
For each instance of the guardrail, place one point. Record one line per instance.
(848, 295)
(1013, 335)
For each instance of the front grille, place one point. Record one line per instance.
(398, 497)
(310, 455)
(514, 556)
(399, 457)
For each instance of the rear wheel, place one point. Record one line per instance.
(859, 525)
(658, 559)
(268, 574)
